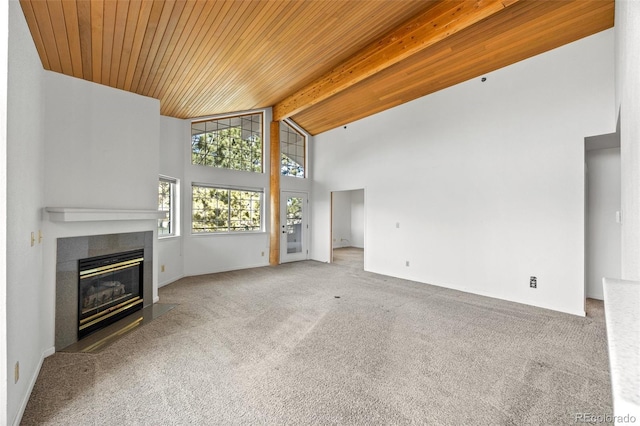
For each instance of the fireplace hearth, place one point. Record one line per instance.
(109, 288)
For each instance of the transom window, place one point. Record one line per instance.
(292, 151)
(167, 195)
(231, 143)
(220, 210)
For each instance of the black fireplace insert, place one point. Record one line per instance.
(110, 288)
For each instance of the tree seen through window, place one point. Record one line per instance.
(292, 151)
(217, 210)
(232, 143)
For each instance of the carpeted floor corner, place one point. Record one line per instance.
(312, 343)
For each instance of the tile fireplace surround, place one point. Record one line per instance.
(69, 251)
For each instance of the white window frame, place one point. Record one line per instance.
(257, 190)
(262, 114)
(174, 210)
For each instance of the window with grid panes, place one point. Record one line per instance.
(225, 210)
(292, 151)
(231, 143)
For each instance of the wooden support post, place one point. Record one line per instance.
(274, 191)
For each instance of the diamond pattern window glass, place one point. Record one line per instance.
(292, 151)
(231, 143)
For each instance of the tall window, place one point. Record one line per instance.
(218, 210)
(231, 143)
(292, 151)
(167, 194)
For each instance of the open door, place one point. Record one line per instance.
(294, 227)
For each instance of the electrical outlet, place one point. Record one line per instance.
(397, 224)
(16, 373)
(407, 263)
(262, 254)
(161, 268)
(533, 282)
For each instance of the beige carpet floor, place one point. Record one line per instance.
(313, 343)
(352, 257)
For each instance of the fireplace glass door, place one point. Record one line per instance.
(110, 287)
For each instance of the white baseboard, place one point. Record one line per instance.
(172, 280)
(23, 406)
(228, 269)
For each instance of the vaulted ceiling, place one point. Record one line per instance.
(322, 63)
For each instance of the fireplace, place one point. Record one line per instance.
(110, 287)
(69, 252)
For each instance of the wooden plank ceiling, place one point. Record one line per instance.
(323, 63)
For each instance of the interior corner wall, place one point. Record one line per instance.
(174, 134)
(486, 180)
(627, 62)
(26, 135)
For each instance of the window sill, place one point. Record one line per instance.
(167, 237)
(227, 234)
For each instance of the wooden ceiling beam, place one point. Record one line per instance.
(437, 23)
(528, 29)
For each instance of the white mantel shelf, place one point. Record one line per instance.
(73, 214)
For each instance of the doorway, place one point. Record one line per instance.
(294, 245)
(603, 203)
(347, 228)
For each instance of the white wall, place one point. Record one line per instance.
(26, 309)
(102, 146)
(174, 133)
(357, 218)
(4, 55)
(485, 179)
(341, 236)
(603, 231)
(628, 103)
